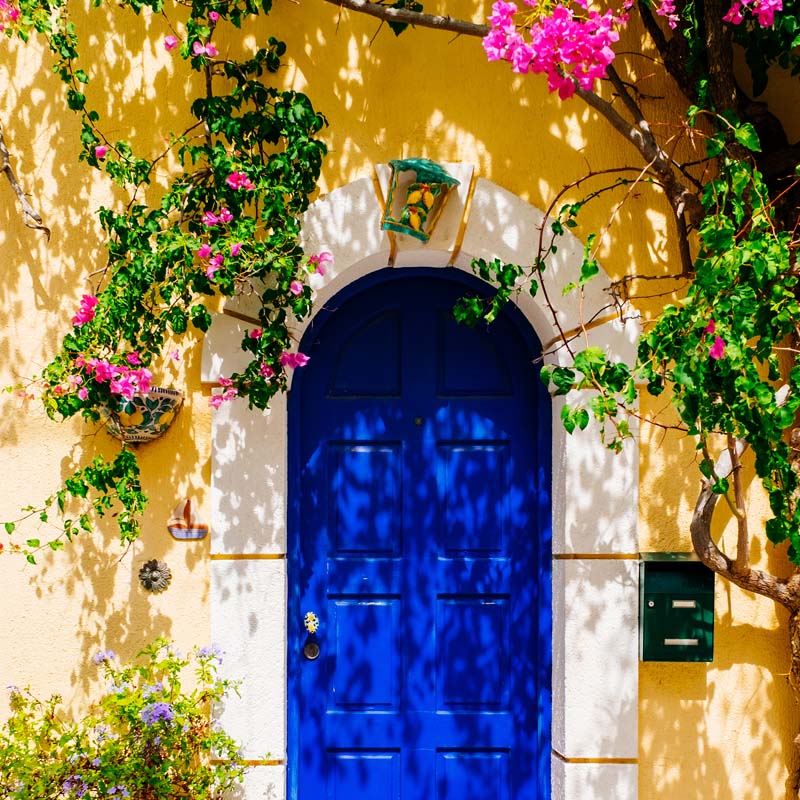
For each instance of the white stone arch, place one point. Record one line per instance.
(595, 499)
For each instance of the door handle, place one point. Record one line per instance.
(311, 649)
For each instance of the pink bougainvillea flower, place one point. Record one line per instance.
(144, 380)
(102, 369)
(210, 219)
(123, 386)
(86, 311)
(225, 215)
(717, 350)
(711, 327)
(235, 249)
(266, 371)
(256, 333)
(763, 10)
(204, 251)
(293, 360)
(572, 49)
(319, 263)
(133, 358)
(239, 180)
(296, 288)
(213, 16)
(214, 263)
(175, 355)
(666, 8)
(170, 42)
(83, 393)
(101, 151)
(734, 15)
(199, 49)
(216, 400)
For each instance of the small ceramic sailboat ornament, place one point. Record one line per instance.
(183, 524)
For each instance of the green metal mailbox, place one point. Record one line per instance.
(676, 608)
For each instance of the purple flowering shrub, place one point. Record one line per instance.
(147, 738)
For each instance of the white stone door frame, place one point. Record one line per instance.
(595, 499)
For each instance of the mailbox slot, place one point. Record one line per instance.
(676, 610)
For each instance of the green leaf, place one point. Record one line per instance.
(746, 135)
(586, 361)
(589, 269)
(9, 526)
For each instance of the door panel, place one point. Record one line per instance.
(420, 455)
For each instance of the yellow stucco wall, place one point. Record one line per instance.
(721, 730)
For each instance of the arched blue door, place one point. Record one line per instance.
(421, 539)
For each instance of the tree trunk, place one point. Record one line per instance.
(793, 781)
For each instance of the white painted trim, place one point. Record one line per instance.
(595, 498)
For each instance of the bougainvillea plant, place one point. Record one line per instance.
(148, 736)
(226, 224)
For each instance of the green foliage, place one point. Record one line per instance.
(104, 487)
(227, 223)
(746, 283)
(718, 349)
(147, 737)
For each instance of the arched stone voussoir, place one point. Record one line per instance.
(347, 223)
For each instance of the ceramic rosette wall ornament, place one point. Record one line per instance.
(155, 575)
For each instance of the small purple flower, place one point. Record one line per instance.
(103, 656)
(75, 786)
(157, 712)
(214, 651)
(150, 689)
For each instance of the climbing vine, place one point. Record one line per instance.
(227, 224)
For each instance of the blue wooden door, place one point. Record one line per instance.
(420, 456)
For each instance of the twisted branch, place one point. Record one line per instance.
(30, 216)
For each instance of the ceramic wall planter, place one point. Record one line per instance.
(145, 417)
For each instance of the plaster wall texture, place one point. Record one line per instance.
(720, 730)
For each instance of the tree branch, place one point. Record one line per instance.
(407, 17)
(753, 580)
(783, 591)
(742, 563)
(674, 51)
(638, 133)
(30, 216)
